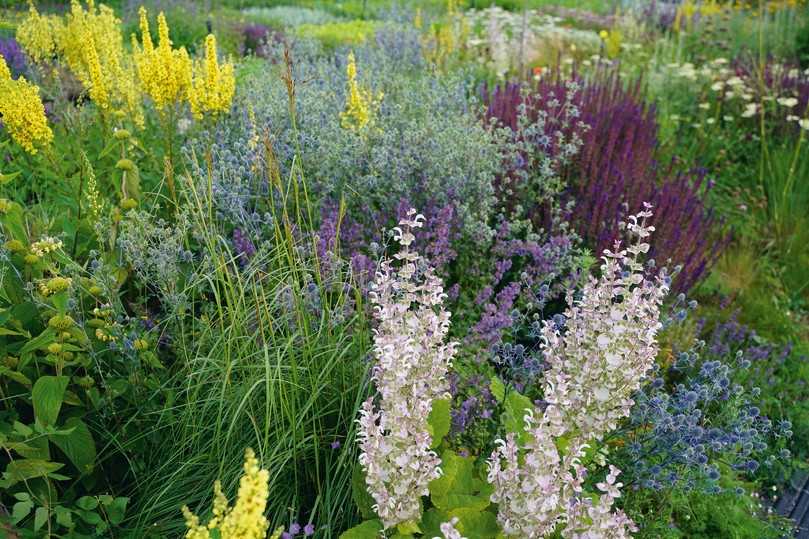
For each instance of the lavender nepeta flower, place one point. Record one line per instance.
(412, 361)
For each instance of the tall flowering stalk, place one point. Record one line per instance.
(164, 73)
(608, 344)
(22, 111)
(412, 360)
(245, 520)
(361, 104)
(595, 364)
(532, 481)
(213, 85)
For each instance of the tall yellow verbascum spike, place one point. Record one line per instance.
(245, 520)
(22, 111)
(360, 104)
(213, 85)
(98, 91)
(164, 73)
(37, 34)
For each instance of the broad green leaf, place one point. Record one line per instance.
(475, 524)
(78, 445)
(117, 510)
(367, 530)
(516, 406)
(64, 517)
(497, 388)
(47, 396)
(20, 511)
(88, 503)
(40, 518)
(40, 341)
(24, 469)
(439, 421)
(459, 485)
(408, 528)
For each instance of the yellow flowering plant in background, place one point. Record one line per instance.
(165, 73)
(245, 520)
(89, 41)
(22, 111)
(38, 34)
(360, 103)
(213, 85)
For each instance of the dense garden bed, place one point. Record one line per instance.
(403, 269)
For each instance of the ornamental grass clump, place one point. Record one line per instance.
(22, 112)
(412, 360)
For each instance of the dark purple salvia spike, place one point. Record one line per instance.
(616, 171)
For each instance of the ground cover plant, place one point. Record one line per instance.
(403, 269)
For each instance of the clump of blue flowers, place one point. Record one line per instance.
(696, 417)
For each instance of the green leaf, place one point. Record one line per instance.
(40, 341)
(117, 510)
(359, 493)
(408, 528)
(78, 445)
(64, 517)
(24, 469)
(40, 518)
(6, 178)
(497, 388)
(88, 503)
(20, 511)
(475, 524)
(459, 485)
(367, 530)
(439, 421)
(47, 397)
(15, 376)
(516, 406)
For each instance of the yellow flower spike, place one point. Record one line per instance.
(164, 73)
(98, 91)
(245, 520)
(37, 34)
(213, 86)
(22, 111)
(360, 103)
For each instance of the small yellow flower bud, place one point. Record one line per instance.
(129, 204)
(121, 134)
(54, 348)
(15, 246)
(31, 259)
(58, 284)
(140, 344)
(5, 205)
(125, 164)
(61, 322)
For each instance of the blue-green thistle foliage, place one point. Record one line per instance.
(426, 143)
